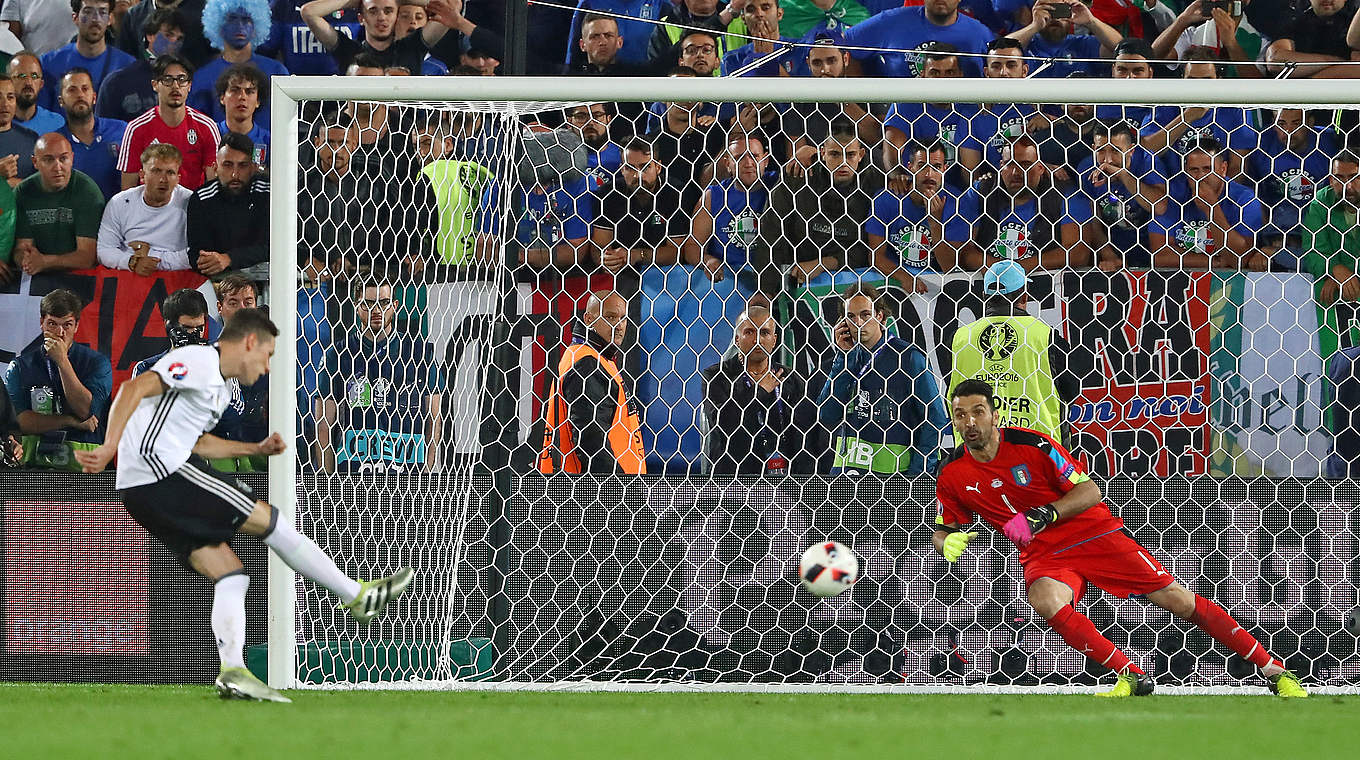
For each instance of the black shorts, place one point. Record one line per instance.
(195, 506)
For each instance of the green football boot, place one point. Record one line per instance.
(374, 595)
(1130, 684)
(239, 683)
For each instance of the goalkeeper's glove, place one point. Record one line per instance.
(1025, 526)
(954, 544)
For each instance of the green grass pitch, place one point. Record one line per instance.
(144, 722)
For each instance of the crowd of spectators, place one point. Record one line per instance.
(135, 137)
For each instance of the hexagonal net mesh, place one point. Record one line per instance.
(617, 487)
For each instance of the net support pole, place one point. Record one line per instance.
(516, 37)
(283, 412)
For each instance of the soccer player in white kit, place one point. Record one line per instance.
(158, 426)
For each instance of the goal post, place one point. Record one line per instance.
(686, 577)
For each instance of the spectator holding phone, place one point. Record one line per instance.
(1050, 37)
(1212, 27)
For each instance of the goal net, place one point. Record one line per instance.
(1187, 243)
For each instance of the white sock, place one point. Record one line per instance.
(303, 555)
(229, 618)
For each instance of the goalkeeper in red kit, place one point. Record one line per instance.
(1029, 487)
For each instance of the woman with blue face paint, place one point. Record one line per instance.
(235, 27)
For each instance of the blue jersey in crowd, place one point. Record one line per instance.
(1134, 115)
(127, 94)
(301, 51)
(1062, 52)
(1114, 207)
(43, 121)
(636, 28)
(203, 93)
(259, 136)
(1015, 226)
(1286, 178)
(995, 126)
(736, 214)
(1185, 225)
(56, 63)
(1230, 126)
(908, 29)
(792, 60)
(902, 223)
(99, 159)
(926, 123)
(383, 391)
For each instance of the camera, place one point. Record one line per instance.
(1060, 10)
(1207, 6)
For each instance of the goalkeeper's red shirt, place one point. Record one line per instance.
(1030, 470)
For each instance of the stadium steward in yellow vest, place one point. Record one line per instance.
(1020, 356)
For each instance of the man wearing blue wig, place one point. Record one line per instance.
(235, 27)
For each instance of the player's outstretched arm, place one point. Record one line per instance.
(210, 446)
(130, 394)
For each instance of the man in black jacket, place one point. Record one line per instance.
(229, 216)
(816, 222)
(758, 417)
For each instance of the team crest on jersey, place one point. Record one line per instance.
(1194, 237)
(1298, 185)
(741, 229)
(912, 244)
(1012, 242)
(178, 371)
(996, 483)
(1021, 474)
(1009, 130)
(1191, 136)
(193, 137)
(998, 341)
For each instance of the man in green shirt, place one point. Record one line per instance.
(7, 271)
(1331, 254)
(58, 211)
(803, 16)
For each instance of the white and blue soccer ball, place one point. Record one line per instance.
(828, 568)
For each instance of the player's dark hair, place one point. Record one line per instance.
(366, 61)
(1117, 129)
(975, 387)
(640, 144)
(76, 4)
(163, 17)
(245, 72)
(1346, 157)
(1207, 145)
(868, 291)
(233, 283)
(842, 131)
(163, 63)
(248, 322)
(76, 71)
(936, 51)
(464, 70)
(376, 279)
(593, 17)
(910, 150)
(61, 303)
(237, 142)
(185, 302)
(680, 43)
(681, 71)
(1005, 43)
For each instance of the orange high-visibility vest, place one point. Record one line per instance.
(559, 440)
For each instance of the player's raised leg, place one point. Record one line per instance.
(363, 599)
(1213, 620)
(1053, 600)
(219, 563)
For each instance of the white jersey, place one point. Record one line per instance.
(162, 431)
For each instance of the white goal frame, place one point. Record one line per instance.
(286, 92)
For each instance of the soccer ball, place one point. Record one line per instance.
(828, 568)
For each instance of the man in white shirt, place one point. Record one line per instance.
(158, 427)
(145, 229)
(43, 25)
